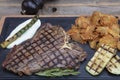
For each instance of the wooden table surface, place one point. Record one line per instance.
(64, 7)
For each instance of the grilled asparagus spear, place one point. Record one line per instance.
(99, 61)
(5, 43)
(57, 72)
(114, 65)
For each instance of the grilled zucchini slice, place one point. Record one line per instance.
(100, 59)
(114, 65)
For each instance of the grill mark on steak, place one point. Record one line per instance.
(44, 51)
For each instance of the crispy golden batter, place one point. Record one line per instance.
(95, 19)
(101, 30)
(103, 19)
(109, 40)
(96, 29)
(108, 20)
(82, 22)
(114, 30)
(93, 43)
(75, 34)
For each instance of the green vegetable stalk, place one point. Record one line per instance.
(4, 44)
(57, 72)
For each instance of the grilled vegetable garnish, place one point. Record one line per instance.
(5, 43)
(100, 59)
(57, 72)
(114, 65)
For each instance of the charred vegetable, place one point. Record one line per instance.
(5, 43)
(57, 72)
(114, 65)
(101, 58)
(31, 7)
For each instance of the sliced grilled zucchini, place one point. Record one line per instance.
(114, 65)
(99, 61)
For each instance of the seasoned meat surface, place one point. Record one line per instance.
(49, 48)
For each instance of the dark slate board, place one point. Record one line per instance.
(66, 22)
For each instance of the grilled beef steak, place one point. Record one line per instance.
(49, 48)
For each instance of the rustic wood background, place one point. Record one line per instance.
(64, 7)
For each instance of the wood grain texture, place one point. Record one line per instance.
(64, 7)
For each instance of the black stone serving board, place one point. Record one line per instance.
(11, 22)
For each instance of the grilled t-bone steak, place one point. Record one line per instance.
(49, 48)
